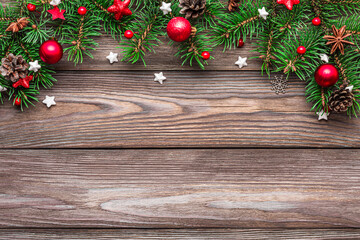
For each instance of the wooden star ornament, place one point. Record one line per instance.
(338, 39)
(56, 13)
(120, 9)
(288, 3)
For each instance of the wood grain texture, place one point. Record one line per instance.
(180, 188)
(181, 234)
(192, 109)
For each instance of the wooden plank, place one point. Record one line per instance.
(192, 109)
(220, 188)
(194, 234)
(162, 59)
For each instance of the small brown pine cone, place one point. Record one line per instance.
(233, 5)
(14, 67)
(341, 99)
(192, 8)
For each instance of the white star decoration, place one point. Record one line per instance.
(165, 7)
(3, 89)
(263, 13)
(241, 62)
(55, 2)
(323, 115)
(112, 57)
(34, 66)
(350, 88)
(49, 101)
(159, 77)
(324, 58)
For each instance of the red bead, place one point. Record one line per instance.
(51, 52)
(17, 101)
(82, 10)
(128, 34)
(179, 29)
(241, 43)
(301, 50)
(326, 75)
(31, 7)
(316, 21)
(205, 55)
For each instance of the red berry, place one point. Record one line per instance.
(31, 7)
(82, 10)
(128, 34)
(241, 43)
(301, 50)
(316, 21)
(17, 101)
(205, 55)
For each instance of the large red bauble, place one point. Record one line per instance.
(51, 52)
(326, 75)
(179, 29)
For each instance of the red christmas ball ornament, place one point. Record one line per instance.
(82, 10)
(326, 75)
(179, 29)
(51, 52)
(316, 21)
(31, 7)
(301, 50)
(241, 43)
(17, 101)
(128, 34)
(205, 55)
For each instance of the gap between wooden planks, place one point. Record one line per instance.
(180, 234)
(220, 188)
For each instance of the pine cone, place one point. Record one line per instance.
(341, 99)
(192, 8)
(233, 5)
(14, 67)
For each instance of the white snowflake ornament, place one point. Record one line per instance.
(323, 115)
(55, 2)
(49, 101)
(241, 62)
(166, 8)
(324, 58)
(159, 77)
(112, 57)
(263, 13)
(34, 66)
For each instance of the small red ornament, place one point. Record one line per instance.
(17, 101)
(120, 8)
(241, 43)
(128, 34)
(205, 55)
(316, 21)
(82, 10)
(51, 52)
(31, 7)
(56, 13)
(326, 75)
(288, 3)
(179, 29)
(25, 82)
(301, 50)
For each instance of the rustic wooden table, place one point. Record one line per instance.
(208, 155)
